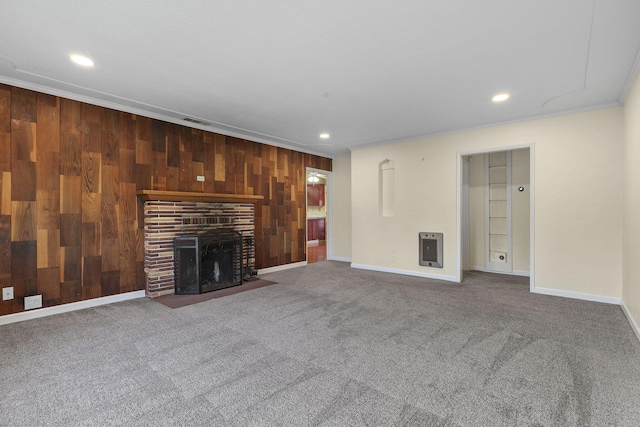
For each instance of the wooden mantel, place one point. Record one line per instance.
(186, 196)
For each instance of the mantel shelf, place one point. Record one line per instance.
(186, 196)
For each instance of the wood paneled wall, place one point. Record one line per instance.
(71, 226)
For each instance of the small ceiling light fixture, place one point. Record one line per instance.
(500, 97)
(324, 135)
(313, 177)
(82, 60)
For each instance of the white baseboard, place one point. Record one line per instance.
(281, 267)
(633, 323)
(520, 273)
(512, 273)
(576, 295)
(337, 258)
(404, 272)
(72, 306)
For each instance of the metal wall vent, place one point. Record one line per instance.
(430, 247)
(196, 121)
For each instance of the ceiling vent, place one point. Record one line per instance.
(196, 121)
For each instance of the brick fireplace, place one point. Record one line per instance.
(166, 219)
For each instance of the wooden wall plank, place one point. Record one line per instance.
(23, 105)
(70, 154)
(110, 121)
(91, 207)
(159, 183)
(70, 194)
(127, 165)
(172, 155)
(91, 239)
(70, 116)
(70, 137)
(143, 176)
(48, 285)
(144, 154)
(48, 246)
(158, 136)
(23, 260)
(208, 153)
(91, 127)
(111, 255)
(5, 250)
(186, 171)
(5, 152)
(23, 180)
(144, 131)
(91, 135)
(197, 141)
(48, 171)
(110, 222)
(127, 213)
(91, 113)
(91, 172)
(172, 181)
(230, 166)
(48, 124)
(23, 221)
(5, 307)
(159, 170)
(110, 283)
(5, 193)
(70, 229)
(126, 131)
(71, 264)
(5, 108)
(89, 292)
(128, 255)
(110, 184)
(23, 140)
(70, 291)
(91, 271)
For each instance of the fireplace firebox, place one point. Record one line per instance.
(207, 261)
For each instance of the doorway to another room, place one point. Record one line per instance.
(317, 230)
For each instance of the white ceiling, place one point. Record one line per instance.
(367, 72)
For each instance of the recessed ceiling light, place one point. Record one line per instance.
(500, 97)
(324, 135)
(82, 60)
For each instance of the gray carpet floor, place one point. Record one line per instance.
(329, 346)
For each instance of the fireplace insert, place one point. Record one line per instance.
(207, 261)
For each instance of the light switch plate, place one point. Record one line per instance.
(7, 293)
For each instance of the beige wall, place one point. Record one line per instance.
(340, 227)
(631, 259)
(520, 211)
(578, 199)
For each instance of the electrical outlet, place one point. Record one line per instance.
(7, 293)
(32, 302)
(200, 178)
